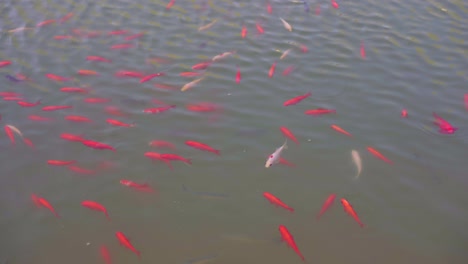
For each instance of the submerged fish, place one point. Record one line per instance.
(357, 161)
(275, 156)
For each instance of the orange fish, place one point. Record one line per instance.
(169, 156)
(144, 187)
(378, 155)
(77, 118)
(151, 76)
(55, 107)
(271, 72)
(296, 99)
(339, 129)
(98, 58)
(203, 107)
(320, 111)
(201, 65)
(45, 23)
(118, 123)
(190, 74)
(201, 146)
(61, 162)
(276, 201)
(289, 239)
(238, 75)
(66, 18)
(87, 72)
(39, 201)
(287, 133)
(28, 142)
(95, 206)
(328, 202)
(57, 77)
(105, 254)
(124, 241)
(158, 156)
(244, 31)
(72, 137)
(97, 145)
(161, 144)
(132, 74)
(39, 118)
(349, 209)
(170, 4)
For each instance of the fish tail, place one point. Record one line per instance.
(217, 152)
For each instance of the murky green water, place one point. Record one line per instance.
(415, 210)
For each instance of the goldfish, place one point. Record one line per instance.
(77, 118)
(118, 32)
(404, 113)
(169, 156)
(138, 186)
(124, 241)
(286, 24)
(114, 110)
(191, 84)
(161, 144)
(66, 18)
(96, 100)
(80, 170)
(268, 7)
(151, 76)
(444, 126)
(363, 50)
(287, 133)
(357, 161)
(132, 74)
(201, 146)
(97, 145)
(28, 142)
(349, 210)
(158, 110)
(74, 90)
(158, 156)
(122, 46)
(339, 129)
(4, 63)
(57, 77)
(207, 26)
(201, 65)
(244, 31)
(87, 72)
(334, 4)
(135, 36)
(260, 29)
(223, 55)
(285, 53)
(288, 70)
(238, 75)
(118, 123)
(45, 23)
(104, 251)
(320, 111)
(95, 206)
(170, 4)
(203, 107)
(296, 99)
(61, 162)
(190, 74)
(10, 134)
(276, 201)
(40, 201)
(466, 101)
(39, 118)
(72, 137)
(271, 72)
(328, 202)
(98, 58)
(275, 156)
(19, 29)
(28, 104)
(287, 237)
(378, 155)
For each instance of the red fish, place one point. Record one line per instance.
(28, 142)
(39, 201)
(117, 32)
(466, 101)
(169, 156)
(289, 239)
(328, 202)
(105, 254)
(260, 29)
(190, 74)
(271, 72)
(334, 4)
(404, 113)
(287, 133)
(349, 209)
(268, 7)
(444, 126)
(56, 107)
(363, 50)
(203, 107)
(161, 144)
(74, 90)
(122, 46)
(4, 63)
(66, 18)
(10, 134)
(118, 123)
(57, 77)
(244, 31)
(288, 70)
(144, 187)
(72, 137)
(95, 206)
(170, 4)
(45, 23)
(378, 155)
(320, 111)
(39, 118)
(238, 75)
(201, 65)
(8, 94)
(286, 162)
(87, 72)
(96, 100)
(158, 156)
(124, 241)
(342, 131)
(132, 74)
(135, 36)
(276, 201)
(158, 110)
(81, 170)
(201, 146)
(97, 145)
(151, 76)
(77, 118)
(98, 58)
(61, 162)
(114, 110)
(296, 99)
(28, 104)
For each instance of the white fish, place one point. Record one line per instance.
(285, 53)
(191, 84)
(15, 130)
(207, 26)
(223, 55)
(286, 24)
(357, 161)
(275, 156)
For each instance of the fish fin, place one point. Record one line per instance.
(285, 145)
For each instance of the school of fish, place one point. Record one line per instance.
(198, 72)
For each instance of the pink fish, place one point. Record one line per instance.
(444, 126)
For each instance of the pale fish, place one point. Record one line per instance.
(18, 29)
(275, 156)
(207, 26)
(357, 161)
(191, 84)
(285, 53)
(223, 55)
(15, 130)
(286, 24)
